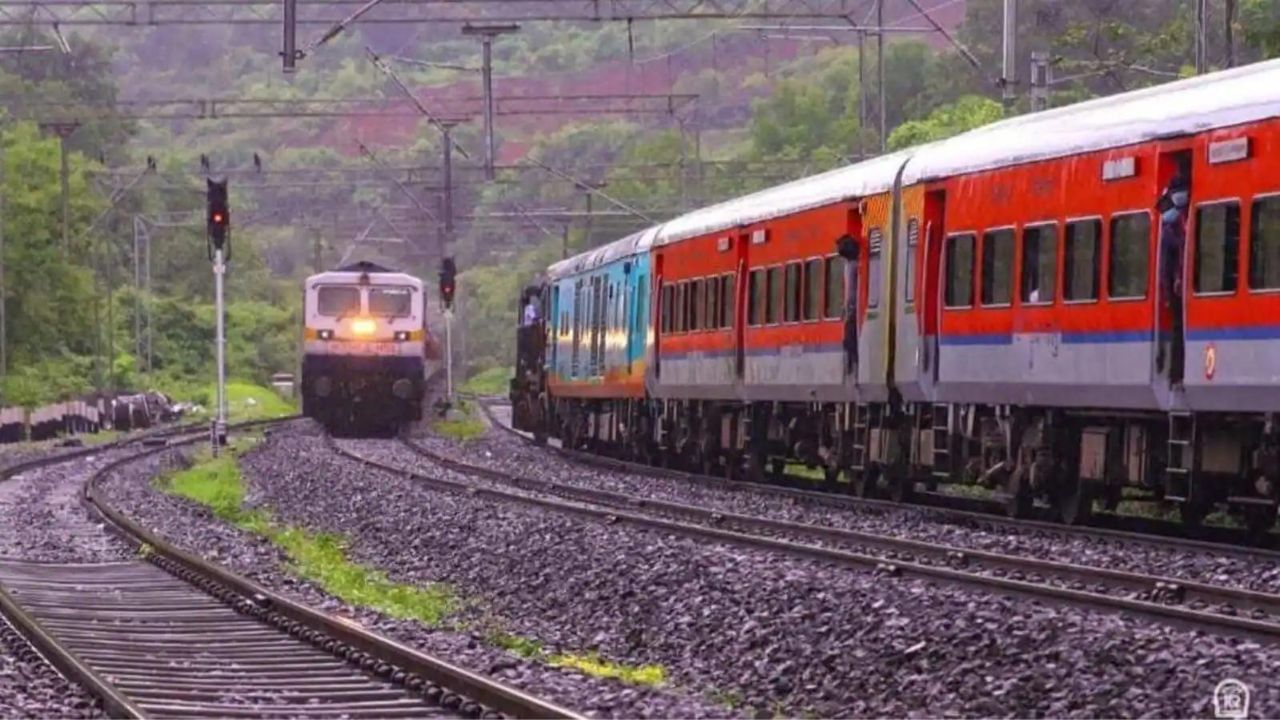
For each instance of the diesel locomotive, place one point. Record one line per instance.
(367, 353)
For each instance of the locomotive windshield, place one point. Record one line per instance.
(337, 301)
(390, 301)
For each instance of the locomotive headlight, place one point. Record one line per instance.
(364, 326)
(325, 334)
(402, 336)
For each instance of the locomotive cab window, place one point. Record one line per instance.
(1080, 259)
(1264, 244)
(390, 301)
(1039, 264)
(756, 292)
(337, 301)
(997, 267)
(1217, 248)
(1130, 264)
(959, 290)
(833, 290)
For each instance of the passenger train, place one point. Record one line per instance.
(367, 353)
(987, 308)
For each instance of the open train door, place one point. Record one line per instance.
(930, 318)
(1171, 308)
(740, 289)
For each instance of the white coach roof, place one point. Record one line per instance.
(1205, 102)
(1215, 100)
(868, 177)
(595, 257)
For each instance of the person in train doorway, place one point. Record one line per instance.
(1172, 207)
(847, 247)
(530, 317)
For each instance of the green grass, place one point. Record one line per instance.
(588, 664)
(245, 401)
(493, 381)
(318, 557)
(467, 427)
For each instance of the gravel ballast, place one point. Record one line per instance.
(43, 520)
(502, 451)
(302, 450)
(765, 632)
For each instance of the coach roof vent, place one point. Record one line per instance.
(364, 266)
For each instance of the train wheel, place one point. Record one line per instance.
(864, 483)
(1259, 520)
(901, 485)
(1192, 511)
(1017, 503)
(1075, 505)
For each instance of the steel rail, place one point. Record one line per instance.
(360, 648)
(1188, 591)
(746, 532)
(1158, 535)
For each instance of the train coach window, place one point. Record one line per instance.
(335, 301)
(755, 297)
(1217, 248)
(1080, 260)
(833, 291)
(997, 267)
(695, 304)
(1039, 263)
(959, 291)
(711, 303)
(812, 289)
(794, 291)
(1130, 256)
(773, 305)
(727, 300)
(1264, 244)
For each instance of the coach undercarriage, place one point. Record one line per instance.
(1066, 463)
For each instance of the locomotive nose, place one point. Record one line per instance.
(402, 388)
(324, 386)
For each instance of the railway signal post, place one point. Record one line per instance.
(219, 235)
(448, 271)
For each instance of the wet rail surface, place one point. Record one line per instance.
(171, 650)
(1184, 603)
(170, 634)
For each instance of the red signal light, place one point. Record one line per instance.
(217, 218)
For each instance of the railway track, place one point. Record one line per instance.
(172, 635)
(1181, 602)
(951, 508)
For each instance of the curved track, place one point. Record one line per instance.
(172, 635)
(1182, 602)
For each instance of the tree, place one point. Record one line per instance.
(967, 113)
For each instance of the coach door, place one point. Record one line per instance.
(1170, 309)
(935, 212)
(741, 278)
(661, 311)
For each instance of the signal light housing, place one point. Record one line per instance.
(448, 271)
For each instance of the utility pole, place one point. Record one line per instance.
(4, 345)
(446, 240)
(1041, 78)
(884, 140)
(487, 33)
(1202, 30)
(862, 94)
(64, 131)
(1009, 70)
(290, 52)
(1229, 31)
